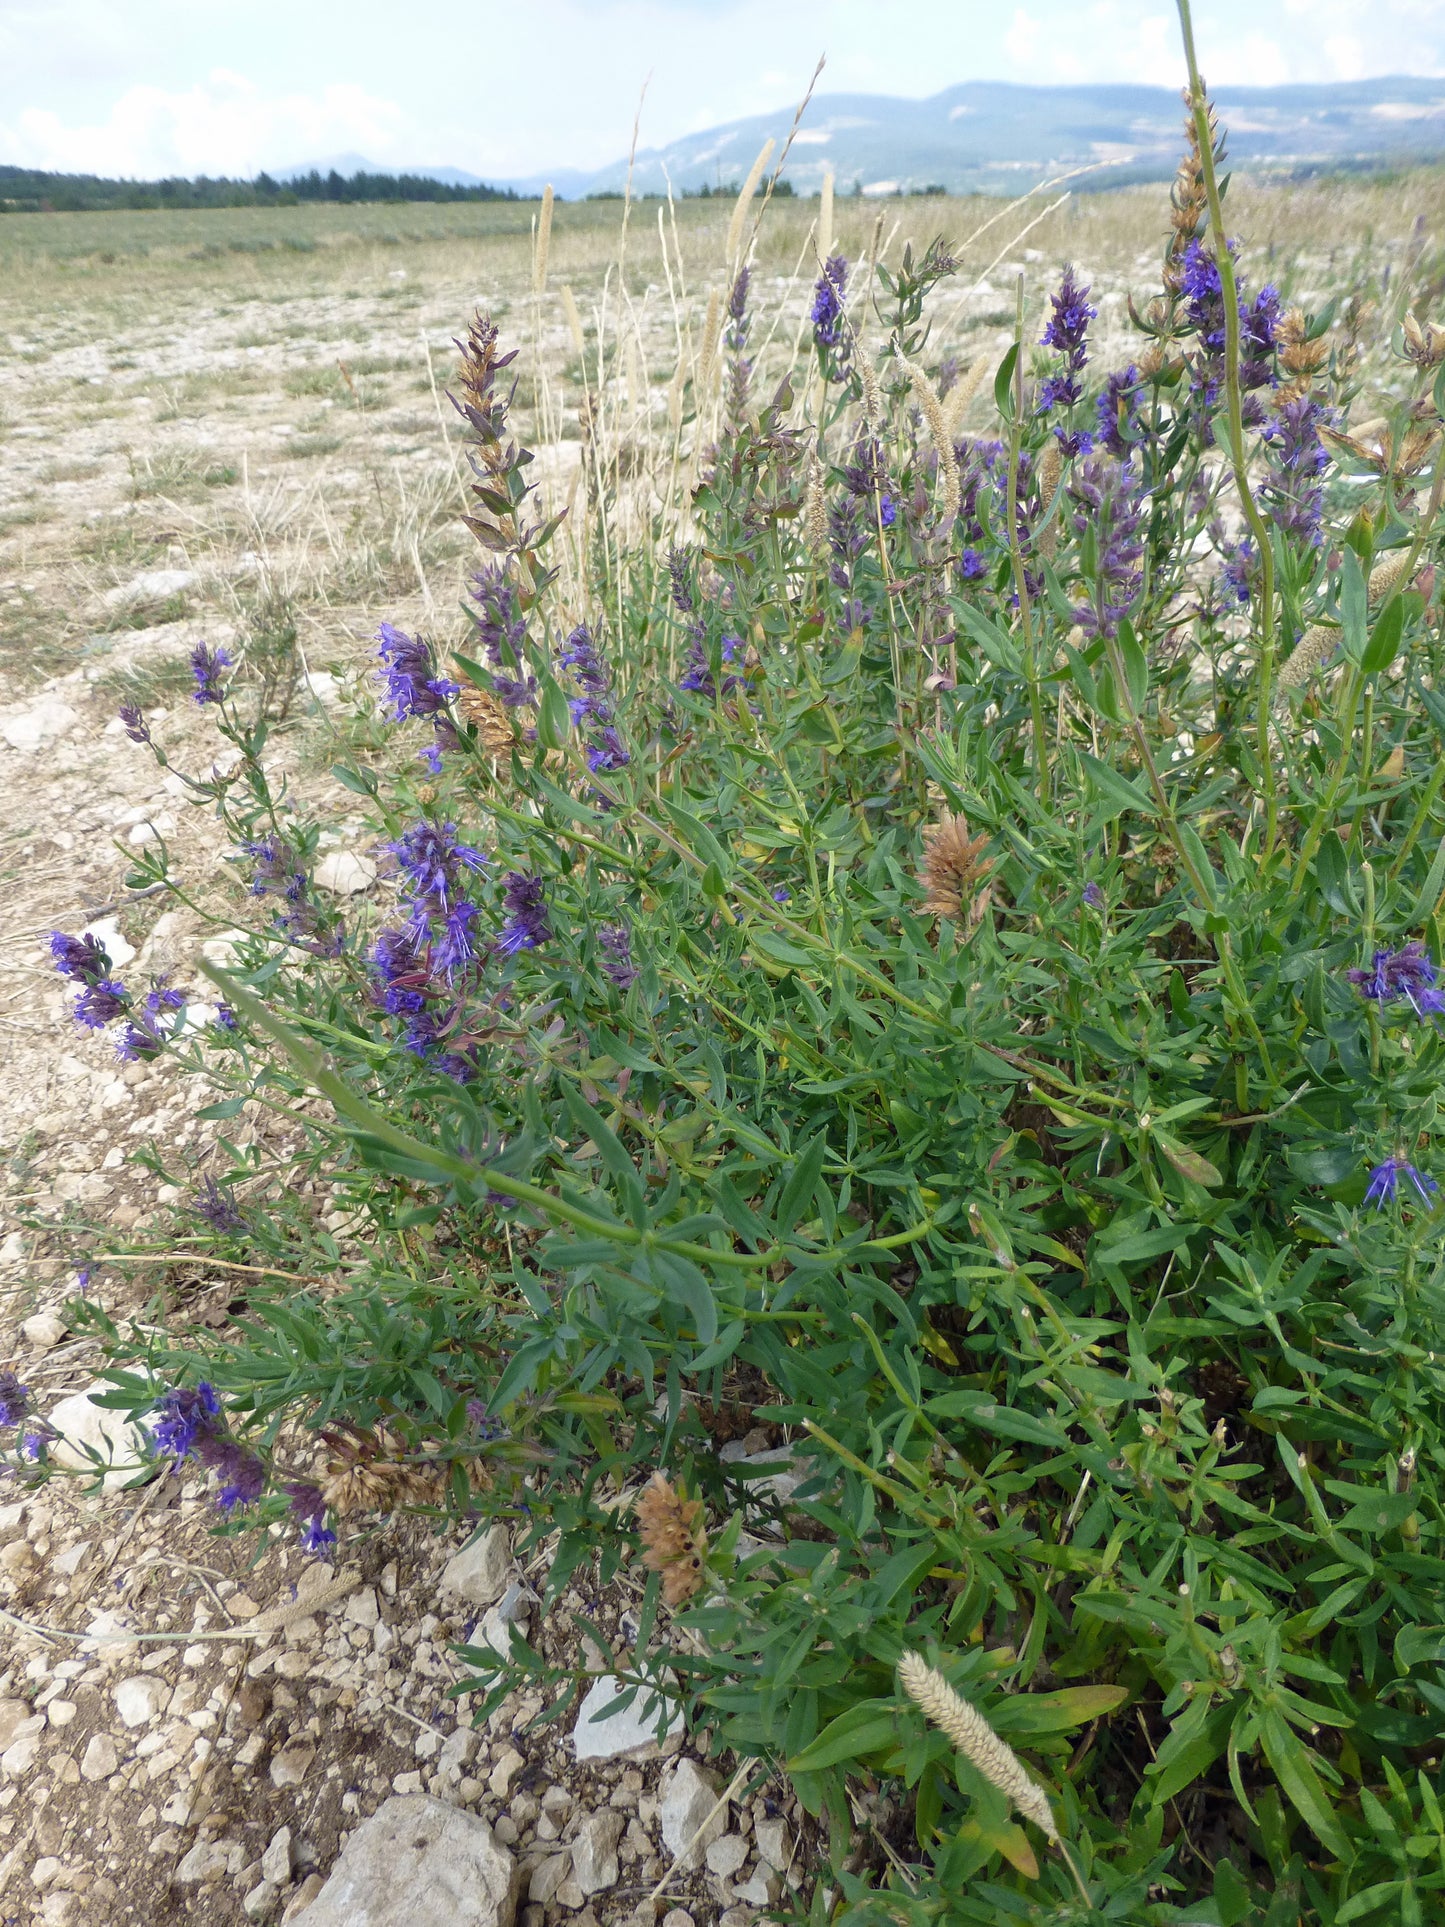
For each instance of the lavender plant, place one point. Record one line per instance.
(947, 969)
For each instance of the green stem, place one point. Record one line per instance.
(1234, 395)
(1016, 556)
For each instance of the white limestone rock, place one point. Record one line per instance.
(417, 1863)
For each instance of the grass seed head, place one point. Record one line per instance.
(971, 1733)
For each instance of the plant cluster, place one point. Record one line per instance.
(938, 958)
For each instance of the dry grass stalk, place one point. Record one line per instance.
(931, 408)
(745, 201)
(815, 506)
(953, 868)
(707, 355)
(1387, 576)
(971, 1733)
(543, 242)
(1051, 468)
(674, 1538)
(1309, 652)
(825, 216)
(955, 405)
(872, 393)
(574, 322)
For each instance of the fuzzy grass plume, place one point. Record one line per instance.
(931, 408)
(971, 1733)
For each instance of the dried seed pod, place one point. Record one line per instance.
(674, 1539)
(953, 868)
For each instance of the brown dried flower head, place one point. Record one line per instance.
(1298, 355)
(674, 1539)
(1187, 198)
(1425, 346)
(953, 868)
(368, 1474)
(490, 716)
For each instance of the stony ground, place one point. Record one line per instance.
(253, 453)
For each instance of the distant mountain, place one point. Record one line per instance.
(995, 137)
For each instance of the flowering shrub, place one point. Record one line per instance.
(938, 958)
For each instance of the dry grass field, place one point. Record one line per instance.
(232, 426)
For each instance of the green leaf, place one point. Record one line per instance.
(1199, 857)
(1003, 383)
(1189, 1164)
(684, 1284)
(1136, 666)
(1293, 1766)
(228, 1107)
(1117, 792)
(553, 721)
(1367, 1901)
(703, 843)
(1354, 606)
(1004, 1421)
(359, 782)
(1231, 1897)
(866, 1728)
(797, 1193)
(1036, 1713)
(1418, 1646)
(996, 643)
(779, 949)
(1384, 643)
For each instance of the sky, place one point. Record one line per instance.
(152, 87)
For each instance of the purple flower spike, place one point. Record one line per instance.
(100, 1004)
(827, 310)
(242, 1475)
(616, 943)
(206, 667)
(526, 926)
(1068, 334)
(1409, 973)
(82, 958)
(413, 688)
(1385, 1182)
(591, 711)
(186, 1415)
(217, 1207)
(136, 726)
(308, 1509)
(14, 1399)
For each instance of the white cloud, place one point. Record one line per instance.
(1345, 55)
(224, 125)
(1021, 42)
(1263, 60)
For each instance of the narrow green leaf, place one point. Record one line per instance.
(1003, 383)
(1116, 790)
(1384, 643)
(1292, 1765)
(865, 1728)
